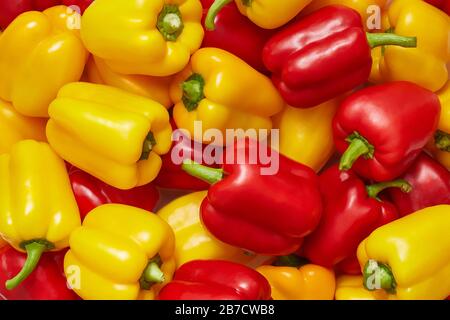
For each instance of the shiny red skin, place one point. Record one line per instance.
(216, 280)
(237, 34)
(90, 193)
(444, 5)
(397, 118)
(47, 282)
(430, 183)
(265, 214)
(349, 265)
(10, 9)
(348, 218)
(82, 4)
(319, 57)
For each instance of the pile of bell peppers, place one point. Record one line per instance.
(97, 96)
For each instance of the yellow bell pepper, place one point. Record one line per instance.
(120, 253)
(37, 208)
(192, 239)
(149, 37)
(352, 288)
(217, 89)
(155, 88)
(38, 55)
(114, 135)
(306, 135)
(410, 257)
(431, 26)
(15, 127)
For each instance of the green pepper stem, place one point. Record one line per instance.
(374, 189)
(193, 91)
(442, 140)
(377, 276)
(358, 147)
(170, 22)
(147, 146)
(388, 38)
(292, 260)
(207, 174)
(34, 252)
(213, 12)
(153, 273)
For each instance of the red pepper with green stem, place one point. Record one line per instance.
(382, 129)
(324, 55)
(216, 280)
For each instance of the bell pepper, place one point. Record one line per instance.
(216, 280)
(47, 282)
(350, 215)
(155, 88)
(90, 193)
(15, 127)
(148, 37)
(324, 55)
(267, 14)
(351, 288)
(306, 135)
(81, 4)
(10, 9)
(38, 55)
(444, 5)
(430, 183)
(406, 118)
(249, 210)
(192, 240)
(409, 257)
(121, 252)
(292, 281)
(114, 135)
(216, 89)
(431, 27)
(37, 208)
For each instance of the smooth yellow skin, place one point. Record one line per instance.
(306, 135)
(101, 130)
(155, 88)
(431, 26)
(417, 248)
(112, 249)
(16, 127)
(36, 199)
(38, 55)
(309, 282)
(271, 14)
(229, 101)
(124, 33)
(351, 288)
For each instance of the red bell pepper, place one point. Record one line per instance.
(216, 280)
(237, 35)
(47, 282)
(382, 129)
(444, 5)
(431, 186)
(265, 214)
(349, 216)
(324, 55)
(90, 193)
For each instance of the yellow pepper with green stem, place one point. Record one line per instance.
(38, 210)
(120, 252)
(114, 135)
(352, 288)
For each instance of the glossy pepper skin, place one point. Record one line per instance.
(407, 117)
(192, 240)
(323, 55)
(306, 135)
(351, 288)
(215, 89)
(81, 4)
(431, 27)
(267, 14)
(90, 193)
(216, 280)
(38, 55)
(10, 9)
(351, 212)
(37, 208)
(249, 210)
(155, 88)
(430, 183)
(120, 253)
(47, 282)
(411, 265)
(116, 136)
(444, 5)
(16, 127)
(150, 37)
